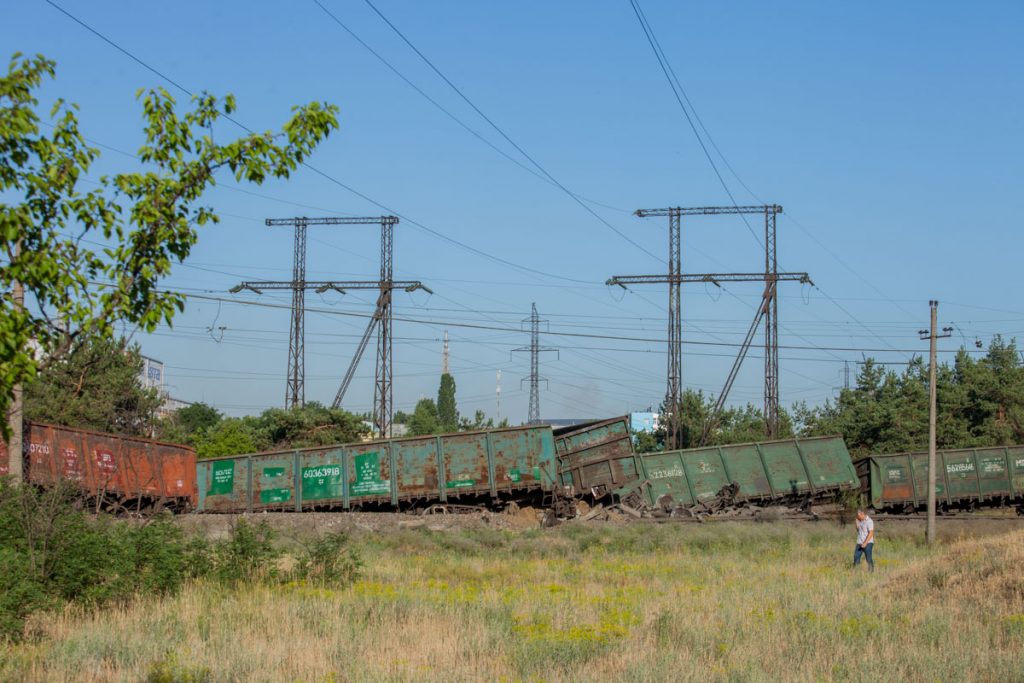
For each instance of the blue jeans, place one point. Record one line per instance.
(867, 554)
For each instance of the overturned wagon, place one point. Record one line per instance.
(121, 474)
(966, 478)
(482, 467)
(792, 471)
(595, 458)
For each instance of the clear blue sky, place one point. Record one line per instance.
(890, 133)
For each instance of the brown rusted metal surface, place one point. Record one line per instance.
(126, 473)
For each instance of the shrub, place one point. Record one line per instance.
(329, 560)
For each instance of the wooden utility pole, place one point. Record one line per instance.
(15, 416)
(932, 336)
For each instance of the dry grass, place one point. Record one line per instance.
(717, 602)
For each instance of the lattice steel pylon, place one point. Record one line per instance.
(768, 310)
(534, 349)
(381, 319)
(295, 384)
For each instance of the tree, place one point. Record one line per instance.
(231, 436)
(447, 413)
(185, 424)
(95, 386)
(480, 421)
(310, 425)
(147, 219)
(980, 403)
(424, 418)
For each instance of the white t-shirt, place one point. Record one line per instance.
(863, 529)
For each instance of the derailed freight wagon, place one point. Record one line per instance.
(791, 471)
(121, 474)
(596, 457)
(484, 467)
(966, 478)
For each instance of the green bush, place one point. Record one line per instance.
(53, 553)
(329, 560)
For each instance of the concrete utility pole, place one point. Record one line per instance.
(932, 335)
(15, 416)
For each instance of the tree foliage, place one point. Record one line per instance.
(980, 403)
(742, 424)
(310, 425)
(424, 418)
(447, 412)
(95, 386)
(148, 219)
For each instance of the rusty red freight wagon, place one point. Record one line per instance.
(119, 473)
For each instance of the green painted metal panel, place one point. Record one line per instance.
(222, 478)
(785, 468)
(523, 459)
(705, 471)
(222, 484)
(827, 462)
(595, 456)
(744, 466)
(666, 476)
(465, 462)
(322, 476)
(961, 474)
(895, 480)
(1015, 460)
(273, 481)
(369, 472)
(919, 471)
(416, 467)
(993, 473)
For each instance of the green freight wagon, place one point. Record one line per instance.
(813, 469)
(512, 464)
(967, 477)
(596, 457)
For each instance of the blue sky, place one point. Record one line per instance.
(891, 135)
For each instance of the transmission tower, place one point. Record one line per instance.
(768, 310)
(380, 320)
(535, 349)
(295, 386)
(445, 367)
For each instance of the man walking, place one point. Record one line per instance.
(865, 540)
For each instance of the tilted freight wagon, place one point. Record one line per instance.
(966, 478)
(791, 470)
(596, 457)
(119, 473)
(469, 467)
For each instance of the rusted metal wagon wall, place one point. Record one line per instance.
(122, 473)
(777, 471)
(966, 478)
(471, 466)
(596, 457)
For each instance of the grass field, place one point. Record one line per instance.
(714, 602)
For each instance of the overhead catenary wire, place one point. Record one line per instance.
(326, 176)
(508, 139)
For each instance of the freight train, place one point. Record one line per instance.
(533, 465)
(120, 474)
(966, 479)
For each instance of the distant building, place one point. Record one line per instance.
(643, 422)
(151, 376)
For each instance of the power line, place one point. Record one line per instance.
(328, 177)
(447, 112)
(508, 139)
